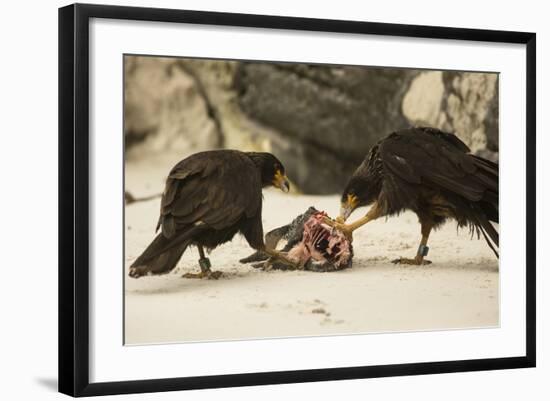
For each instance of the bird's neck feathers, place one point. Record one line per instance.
(365, 187)
(261, 160)
(257, 157)
(373, 162)
(366, 182)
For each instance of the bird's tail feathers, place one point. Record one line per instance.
(162, 254)
(489, 232)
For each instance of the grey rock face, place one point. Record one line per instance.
(185, 106)
(326, 117)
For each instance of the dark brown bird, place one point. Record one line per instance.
(430, 172)
(208, 198)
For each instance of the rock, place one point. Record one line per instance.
(422, 102)
(163, 108)
(216, 80)
(325, 118)
(465, 103)
(185, 106)
(468, 106)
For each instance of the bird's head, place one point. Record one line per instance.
(271, 169)
(356, 194)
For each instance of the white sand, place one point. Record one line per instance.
(459, 290)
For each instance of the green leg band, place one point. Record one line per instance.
(423, 250)
(205, 264)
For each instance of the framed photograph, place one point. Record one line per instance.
(251, 199)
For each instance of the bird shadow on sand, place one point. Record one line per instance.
(175, 283)
(483, 265)
(382, 262)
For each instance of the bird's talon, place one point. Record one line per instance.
(193, 275)
(339, 225)
(414, 261)
(328, 221)
(211, 275)
(346, 230)
(215, 275)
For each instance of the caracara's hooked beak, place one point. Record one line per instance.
(347, 207)
(280, 181)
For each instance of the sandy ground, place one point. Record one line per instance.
(459, 290)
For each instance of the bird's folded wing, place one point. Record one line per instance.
(216, 191)
(429, 159)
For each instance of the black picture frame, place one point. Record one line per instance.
(74, 198)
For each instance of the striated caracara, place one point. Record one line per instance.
(430, 172)
(208, 198)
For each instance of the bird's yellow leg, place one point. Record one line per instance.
(374, 213)
(422, 249)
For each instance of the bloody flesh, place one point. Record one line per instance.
(321, 243)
